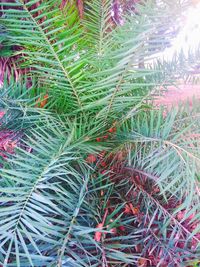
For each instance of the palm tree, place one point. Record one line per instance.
(97, 176)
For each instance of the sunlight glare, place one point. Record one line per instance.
(188, 38)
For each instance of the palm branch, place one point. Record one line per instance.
(99, 177)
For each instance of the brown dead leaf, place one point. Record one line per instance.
(91, 158)
(127, 209)
(98, 235)
(80, 8)
(41, 103)
(142, 262)
(63, 4)
(2, 113)
(134, 210)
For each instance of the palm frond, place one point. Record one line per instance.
(49, 43)
(99, 178)
(42, 204)
(93, 66)
(162, 180)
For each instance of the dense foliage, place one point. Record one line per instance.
(92, 174)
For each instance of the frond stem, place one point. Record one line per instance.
(172, 218)
(54, 54)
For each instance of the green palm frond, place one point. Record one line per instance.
(164, 151)
(54, 198)
(40, 205)
(92, 65)
(99, 177)
(17, 103)
(117, 78)
(162, 179)
(49, 43)
(51, 196)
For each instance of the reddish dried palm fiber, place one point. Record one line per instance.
(8, 142)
